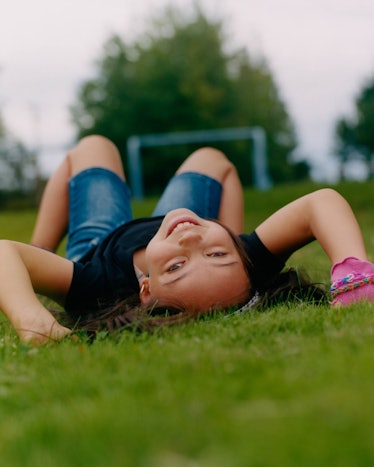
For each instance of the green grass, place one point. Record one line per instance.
(293, 386)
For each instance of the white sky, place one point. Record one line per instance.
(320, 53)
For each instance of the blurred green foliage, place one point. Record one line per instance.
(355, 134)
(180, 76)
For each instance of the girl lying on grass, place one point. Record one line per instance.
(189, 258)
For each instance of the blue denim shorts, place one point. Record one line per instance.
(99, 202)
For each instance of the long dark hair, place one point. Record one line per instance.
(289, 285)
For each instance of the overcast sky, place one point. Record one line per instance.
(320, 52)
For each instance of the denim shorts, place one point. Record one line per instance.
(99, 202)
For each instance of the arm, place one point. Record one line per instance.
(25, 271)
(323, 215)
(231, 211)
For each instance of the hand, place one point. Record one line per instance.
(40, 333)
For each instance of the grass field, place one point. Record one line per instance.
(293, 386)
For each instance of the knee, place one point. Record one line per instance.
(213, 154)
(208, 161)
(92, 143)
(209, 155)
(95, 151)
(216, 159)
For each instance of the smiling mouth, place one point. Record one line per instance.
(181, 224)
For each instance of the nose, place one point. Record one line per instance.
(190, 237)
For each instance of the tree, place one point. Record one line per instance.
(355, 135)
(256, 101)
(179, 77)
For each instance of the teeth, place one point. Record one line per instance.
(183, 225)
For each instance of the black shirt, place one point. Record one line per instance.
(106, 274)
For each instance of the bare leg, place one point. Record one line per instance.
(52, 219)
(53, 216)
(214, 163)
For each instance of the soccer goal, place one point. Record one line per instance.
(258, 155)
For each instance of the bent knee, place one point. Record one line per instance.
(92, 143)
(208, 161)
(95, 151)
(209, 153)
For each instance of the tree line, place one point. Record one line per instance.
(355, 133)
(180, 75)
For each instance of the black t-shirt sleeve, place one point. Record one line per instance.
(266, 265)
(106, 275)
(92, 291)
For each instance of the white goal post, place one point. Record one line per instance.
(257, 135)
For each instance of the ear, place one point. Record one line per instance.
(145, 291)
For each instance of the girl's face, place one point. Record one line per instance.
(194, 263)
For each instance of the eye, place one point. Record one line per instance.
(174, 267)
(217, 254)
